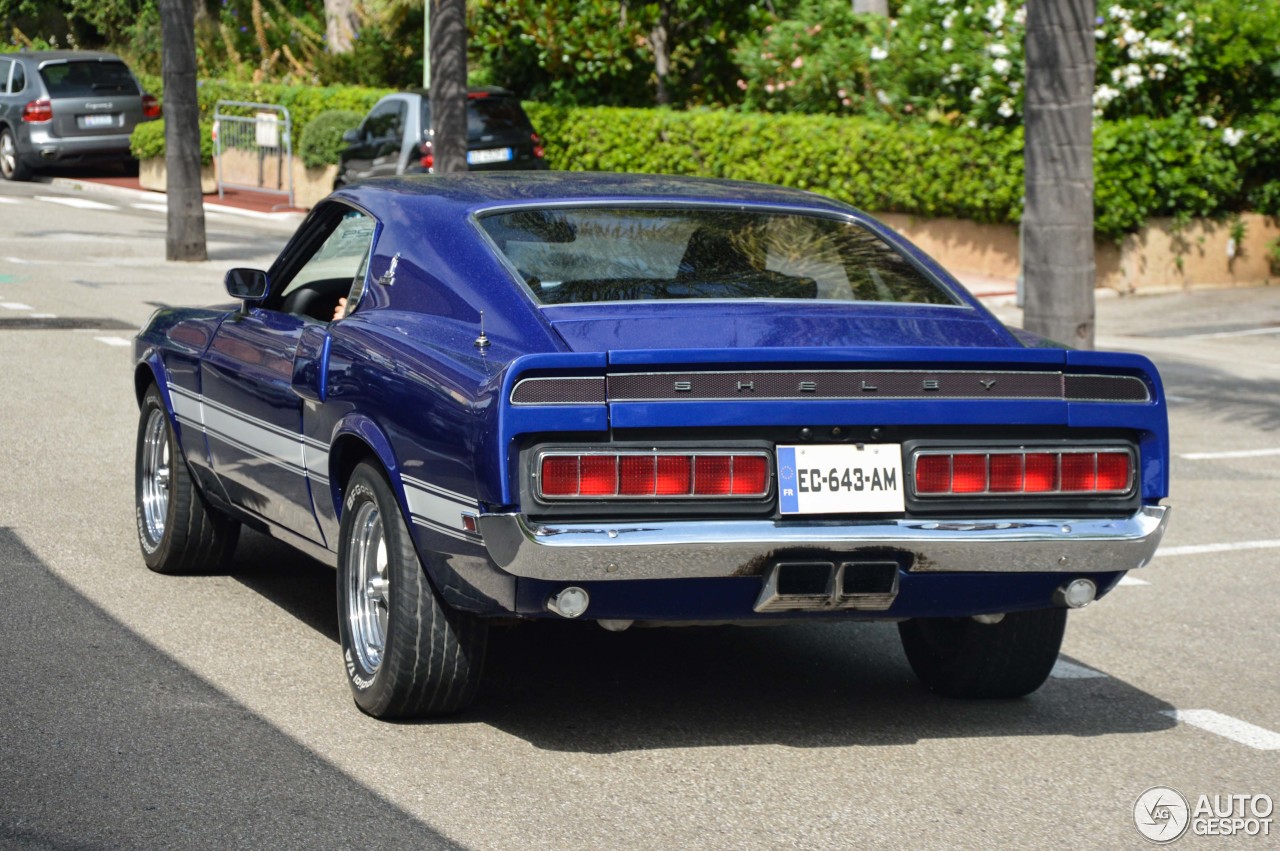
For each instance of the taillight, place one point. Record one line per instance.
(637, 475)
(38, 111)
(150, 106)
(426, 157)
(1053, 472)
(538, 150)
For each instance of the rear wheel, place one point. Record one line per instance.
(177, 530)
(960, 657)
(11, 165)
(407, 655)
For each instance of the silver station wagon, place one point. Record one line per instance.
(67, 107)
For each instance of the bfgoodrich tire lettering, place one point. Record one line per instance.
(177, 530)
(959, 657)
(406, 654)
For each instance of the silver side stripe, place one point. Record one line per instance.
(430, 506)
(438, 508)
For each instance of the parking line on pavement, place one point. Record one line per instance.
(13, 305)
(147, 205)
(1202, 549)
(112, 341)
(82, 203)
(4, 200)
(1132, 580)
(1218, 335)
(1064, 670)
(1236, 453)
(1258, 738)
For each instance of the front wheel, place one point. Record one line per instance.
(177, 530)
(960, 657)
(407, 655)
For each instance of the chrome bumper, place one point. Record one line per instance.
(681, 549)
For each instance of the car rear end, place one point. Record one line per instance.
(500, 136)
(708, 453)
(83, 110)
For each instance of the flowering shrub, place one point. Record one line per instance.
(961, 61)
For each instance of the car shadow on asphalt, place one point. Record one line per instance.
(572, 686)
(108, 742)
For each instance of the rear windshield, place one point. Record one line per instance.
(582, 255)
(489, 116)
(88, 79)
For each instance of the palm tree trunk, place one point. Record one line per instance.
(1057, 237)
(185, 236)
(449, 84)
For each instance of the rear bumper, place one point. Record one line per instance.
(43, 148)
(725, 548)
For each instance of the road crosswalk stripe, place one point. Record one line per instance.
(1258, 738)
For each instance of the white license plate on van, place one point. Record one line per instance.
(840, 479)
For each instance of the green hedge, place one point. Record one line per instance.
(1143, 167)
(321, 140)
(147, 141)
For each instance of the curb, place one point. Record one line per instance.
(292, 219)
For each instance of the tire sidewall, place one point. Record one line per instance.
(370, 688)
(155, 553)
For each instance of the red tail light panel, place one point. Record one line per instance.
(970, 472)
(656, 475)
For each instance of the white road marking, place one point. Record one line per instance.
(1218, 335)
(1234, 729)
(113, 341)
(13, 305)
(4, 200)
(148, 205)
(82, 203)
(1235, 453)
(44, 316)
(1064, 670)
(21, 261)
(1171, 398)
(1131, 580)
(1202, 549)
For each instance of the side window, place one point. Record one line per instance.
(386, 120)
(335, 270)
(19, 79)
(5, 66)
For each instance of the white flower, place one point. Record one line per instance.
(883, 98)
(1005, 109)
(1159, 70)
(948, 44)
(1100, 35)
(1118, 12)
(1133, 36)
(1156, 47)
(1104, 95)
(956, 69)
(1207, 121)
(1180, 17)
(976, 94)
(1002, 66)
(878, 53)
(995, 14)
(949, 21)
(998, 50)
(1232, 136)
(1020, 16)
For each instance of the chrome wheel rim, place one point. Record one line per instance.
(155, 475)
(8, 154)
(367, 587)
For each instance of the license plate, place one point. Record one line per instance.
(489, 155)
(100, 120)
(840, 479)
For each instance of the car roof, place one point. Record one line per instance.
(473, 192)
(63, 55)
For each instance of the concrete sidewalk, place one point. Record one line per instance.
(257, 205)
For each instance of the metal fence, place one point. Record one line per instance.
(253, 148)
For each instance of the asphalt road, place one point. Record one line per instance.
(142, 711)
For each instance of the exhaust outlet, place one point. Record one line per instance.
(809, 586)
